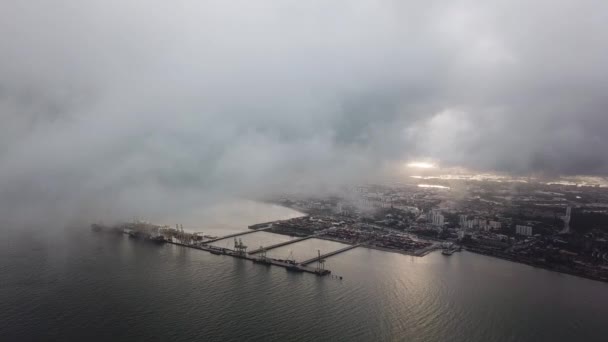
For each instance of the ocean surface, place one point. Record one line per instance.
(71, 284)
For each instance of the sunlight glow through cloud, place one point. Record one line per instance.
(422, 165)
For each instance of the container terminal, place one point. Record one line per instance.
(166, 234)
(302, 228)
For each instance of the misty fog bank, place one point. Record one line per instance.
(129, 108)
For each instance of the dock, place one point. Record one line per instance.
(295, 267)
(289, 265)
(327, 255)
(236, 234)
(256, 251)
(261, 225)
(158, 234)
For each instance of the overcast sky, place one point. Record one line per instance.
(124, 103)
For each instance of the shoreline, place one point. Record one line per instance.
(419, 253)
(536, 265)
(424, 252)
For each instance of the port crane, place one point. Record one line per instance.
(320, 262)
(240, 247)
(262, 253)
(290, 258)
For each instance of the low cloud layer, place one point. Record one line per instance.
(134, 106)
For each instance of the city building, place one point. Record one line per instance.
(495, 225)
(479, 223)
(523, 230)
(463, 221)
(436, 218)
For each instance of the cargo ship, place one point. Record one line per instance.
(294, 268)
(98, 227)
(216, 251)
(447, 251)
(157, 239)
(263, 261)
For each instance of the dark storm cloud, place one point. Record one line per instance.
(125, 104)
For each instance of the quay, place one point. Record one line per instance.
(290, 266)
(236, 234)
(327, 255)
(256, 251)
(261, 225)
(177, 236)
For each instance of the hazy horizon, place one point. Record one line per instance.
(126, 108)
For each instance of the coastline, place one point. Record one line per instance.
(419, 253)
(536, 264)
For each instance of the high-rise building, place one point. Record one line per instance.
(436, 218)
(479, 223)
(483, 224)
(463, 221)
(566, 220)
(523, 230)
(495, 225)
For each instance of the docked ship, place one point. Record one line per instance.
(158, 239)
(216, 250)
(263, 261)
(99, 227)
(449, 249)
(294, 268)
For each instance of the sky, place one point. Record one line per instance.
(129, 107)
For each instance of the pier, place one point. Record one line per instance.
(290, 266)
(327, 255)
(239, 252)
(236, 234)
(261, 225)
(297, 268)
(177, 236)
(255, 251)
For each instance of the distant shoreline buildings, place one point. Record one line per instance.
(479, 223)
(523, 230)
(436, 218)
